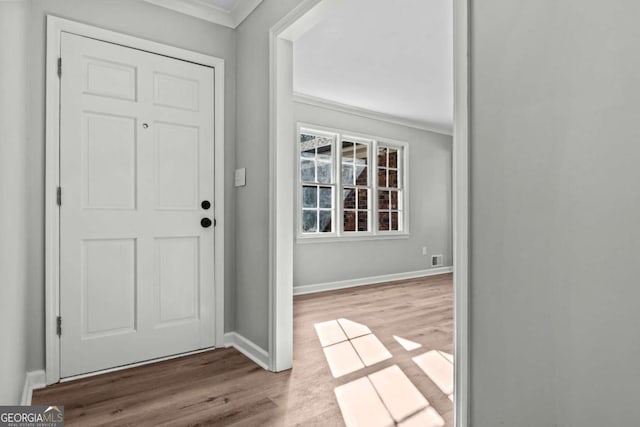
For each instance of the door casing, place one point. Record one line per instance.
(55, 27)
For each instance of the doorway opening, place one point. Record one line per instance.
(318, 205)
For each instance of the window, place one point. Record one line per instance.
(318, 182)
(350, 185)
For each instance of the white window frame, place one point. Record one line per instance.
(372, 142)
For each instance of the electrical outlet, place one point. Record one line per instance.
(436, 260)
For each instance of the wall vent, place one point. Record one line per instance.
(436, 260)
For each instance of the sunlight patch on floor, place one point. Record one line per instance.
(406, 344)
(386, 397)
(330, 333)
(438, 368)
(342, 359)
(428, 417)
(349, 346)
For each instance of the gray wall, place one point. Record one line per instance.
(429, 208)
(13, 200)
(555, 194)
(252, 152)
(142, 20)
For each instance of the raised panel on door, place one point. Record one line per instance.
(177, 166)
(176, 92)
(177, 279)
(108, 287)
(109, 79)
(136, 272)
(109, 161)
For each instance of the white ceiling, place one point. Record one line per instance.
(388, 56)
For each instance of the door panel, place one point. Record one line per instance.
(109, 162)
(108, 287)
(177, 169)
(136, 160)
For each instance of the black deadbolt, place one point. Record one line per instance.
(205, 222)
(205, 204)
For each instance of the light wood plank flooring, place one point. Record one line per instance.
(224, 388)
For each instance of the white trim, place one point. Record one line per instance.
(351, 238)
(365, 281)
(33, 380)
(55, 27)
(199, 9)
(247, 347)
(461, 211)
(327, 104)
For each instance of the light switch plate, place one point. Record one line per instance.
(241, 177)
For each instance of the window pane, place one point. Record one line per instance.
(304, 138)
(361, 175)
(309, 221)
(362, 154)
(324, 152)
(325, 222)
(326, 197)
(393, 178)
(308, 153)
(347, 150)
(363, 198)
(307, 170)
(383, 221)
(383, 200)
(347, 174)
(394, 220)
(349, 221)
(324, 173)
(349, 198)
(382, 177)
(393, 201)
(393, 158)
(363, 221)
(309, 197)
(382, 156)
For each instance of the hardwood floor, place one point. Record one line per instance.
(224, 388)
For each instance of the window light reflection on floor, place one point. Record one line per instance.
(386, 397)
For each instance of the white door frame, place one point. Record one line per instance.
(281, 190)
(55, 27)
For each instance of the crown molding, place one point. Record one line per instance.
(370, 114)
(203, 10)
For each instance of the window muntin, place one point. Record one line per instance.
(390, 191)
(355, 185)
(318, 183)
(349, 185)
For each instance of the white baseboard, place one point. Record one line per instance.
(248, 348)
(343, 284)
(33, 380)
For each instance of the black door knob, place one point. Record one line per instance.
(205, 204)
(205, 222)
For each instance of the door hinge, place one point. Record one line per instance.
(59, 67)
(59, 196)
(59, 325)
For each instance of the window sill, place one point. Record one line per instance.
(306, 240)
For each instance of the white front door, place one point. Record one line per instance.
(136, 174)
